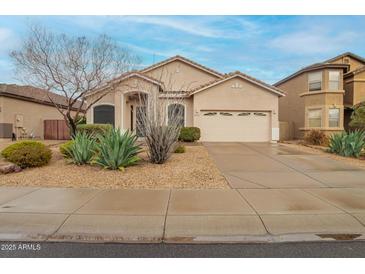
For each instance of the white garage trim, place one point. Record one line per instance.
(235, 125)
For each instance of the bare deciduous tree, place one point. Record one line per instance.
(70, 66)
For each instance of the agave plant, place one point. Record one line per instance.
(117, 150)
(348, 144)
(82, 149)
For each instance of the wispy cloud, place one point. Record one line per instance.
(266, 47)
(167, 53)
(186, 24)
(312, 42)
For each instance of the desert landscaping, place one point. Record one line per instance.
(193, 169)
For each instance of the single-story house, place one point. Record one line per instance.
(230, 107)
(24, 110)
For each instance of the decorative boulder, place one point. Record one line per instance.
(9, 168)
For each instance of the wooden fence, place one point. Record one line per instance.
(56, 130)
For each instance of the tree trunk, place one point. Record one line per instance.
(71, 125)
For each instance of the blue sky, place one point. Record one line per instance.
(266, 47)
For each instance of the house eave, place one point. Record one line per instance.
(242, 77)
(309, 69)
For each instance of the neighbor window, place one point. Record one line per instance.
(315, 81)
(334, 117)
(334, 80)
(315, 118)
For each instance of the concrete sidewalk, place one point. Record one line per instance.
(181, 216)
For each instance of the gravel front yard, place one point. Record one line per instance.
(191, 170)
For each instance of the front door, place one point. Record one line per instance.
(140, 114)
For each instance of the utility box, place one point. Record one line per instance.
(6, 130)
(19, 120)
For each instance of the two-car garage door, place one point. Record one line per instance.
(235, 126)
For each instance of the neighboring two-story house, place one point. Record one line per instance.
(322, 95)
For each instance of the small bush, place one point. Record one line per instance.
(65, 149)
(82, 149)
(358, 117)
(94, 130)
(117, 150)
(180, 149)
(189, 134)
(80, 120)
(27, 154)
(347, 144)
(316, 137)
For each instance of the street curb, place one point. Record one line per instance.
(242, 239)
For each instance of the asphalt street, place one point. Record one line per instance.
(272, 250)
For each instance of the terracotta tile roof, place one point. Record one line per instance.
(243, 75)
(124, 76)
(183, 59)
(138, 74)
(32, 94)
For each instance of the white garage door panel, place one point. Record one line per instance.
(235, 126)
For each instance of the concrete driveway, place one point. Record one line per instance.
(275, 166)
(277, 194)
(294, 192)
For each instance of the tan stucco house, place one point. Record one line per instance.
(226, 107)
(23, 110)
(322, 95)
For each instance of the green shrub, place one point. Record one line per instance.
(80, 120)
(316, 137)
(94, 130)
(189, 134)
(27, 154)
(65, 149)
(180, 149)
(117, 150)
(82, 149)
(358, 117)
(347, 144)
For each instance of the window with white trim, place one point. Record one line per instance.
(315, 117)
(334, 80)
(334, 117)
(315, 81)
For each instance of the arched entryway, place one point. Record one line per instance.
(104, 114)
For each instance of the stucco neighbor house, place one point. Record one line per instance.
(24, 110)
(226, 107)
(322, 96)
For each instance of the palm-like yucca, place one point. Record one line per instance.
(117, 150)
(348, 144)
(82, 149)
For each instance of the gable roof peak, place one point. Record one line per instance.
(185, 60)
(348, 53)
(238, 73)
